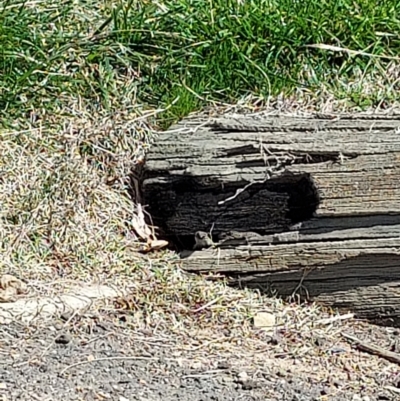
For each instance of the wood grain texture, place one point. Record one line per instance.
(337, 177)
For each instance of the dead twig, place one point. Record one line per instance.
(323, 46)
(335, 319)
(373, 349)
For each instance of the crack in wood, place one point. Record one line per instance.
(296, 158)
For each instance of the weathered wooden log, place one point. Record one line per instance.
(295, 206)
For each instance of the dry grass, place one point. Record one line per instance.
(66, 217)
(63, 209)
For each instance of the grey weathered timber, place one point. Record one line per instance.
(316, 203)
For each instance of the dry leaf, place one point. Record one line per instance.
(153, 246)
(10, 287)
(7, 280)
(158, 244)
(140, 226)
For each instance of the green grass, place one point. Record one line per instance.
(190, 52)
(83, 83)
(219, 50)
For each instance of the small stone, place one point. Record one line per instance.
(43, 368)
(63, 339)
(66, 316)
(3, 386)
(223, 365)
(226, 332)
(337, 350)
(243, 376)
(318, 341)
(264, 320)
(249, 384)
(226, 379)
(275, 339)
(57, 327)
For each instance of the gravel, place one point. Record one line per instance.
(99, 357)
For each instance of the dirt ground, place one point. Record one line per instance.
(103, 354)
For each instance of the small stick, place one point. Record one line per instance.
(335, 318)
(208, 304)
(374, 349)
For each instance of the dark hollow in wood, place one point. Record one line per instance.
(187, 205)
(306, 207)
